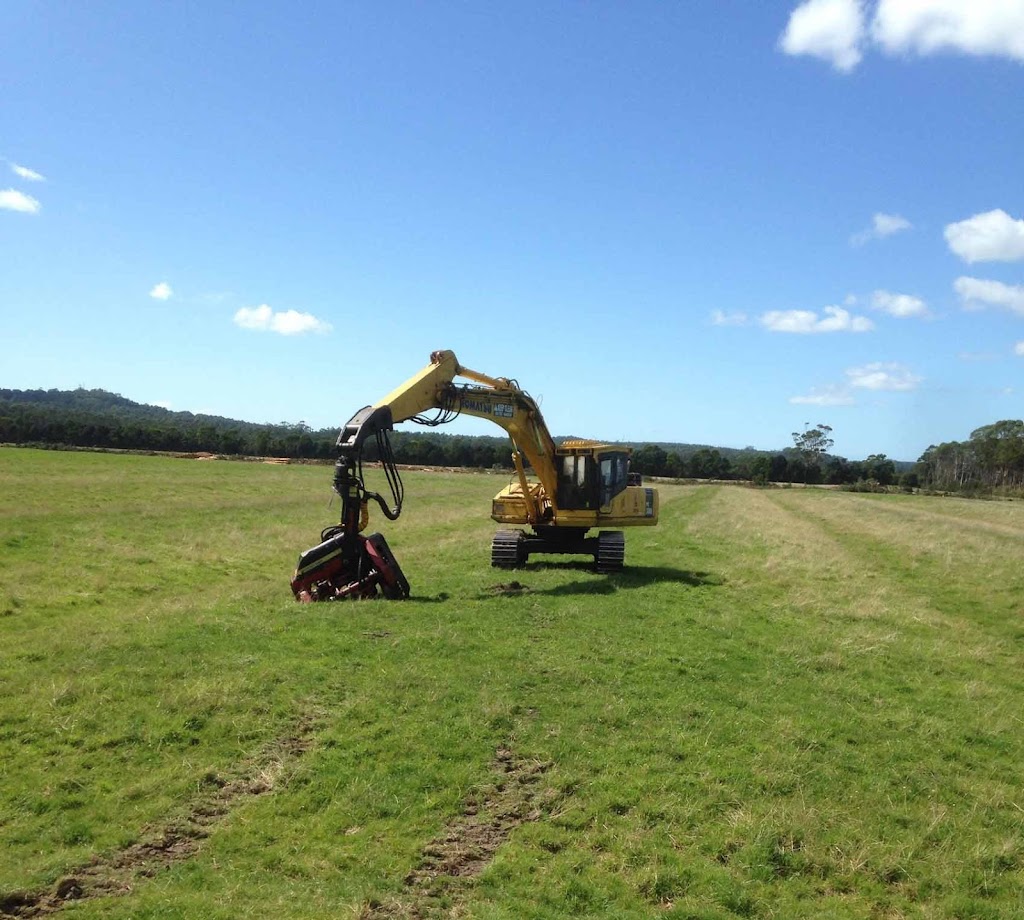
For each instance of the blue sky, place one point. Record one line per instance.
(707, 222)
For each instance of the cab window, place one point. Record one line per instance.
(576, 483)
(614, 476)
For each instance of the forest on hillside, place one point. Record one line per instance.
(991, 460)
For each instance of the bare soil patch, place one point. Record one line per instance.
(513, 587)
(468, 844)
(159, 848)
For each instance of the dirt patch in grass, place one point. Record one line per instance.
(118, 873)
(468, 844)
(513, 587)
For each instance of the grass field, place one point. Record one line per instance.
(794, 703)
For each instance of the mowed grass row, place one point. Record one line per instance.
(794, 703)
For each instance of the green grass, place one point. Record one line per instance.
(793, 704)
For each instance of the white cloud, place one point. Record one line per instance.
(292, 322)
(877, 376)
(883, 376)
(289, 322)
(978, 293)
(161, 291)
(888, 224)
(825, 396)
(25, 173)
(978, 27)
(254, 317)
(836, 31)
(806, 322)
(720, 318)
(1018, 349)
(990, 237)
(882, 225)
(899, 305)
(13, 200)
(829, 29)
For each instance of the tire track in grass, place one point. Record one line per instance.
(971, 577)
(842, 604)
(891, 520)
(931, 676)
(160, 848)
(988, 513)
(965, 674)
(869, 558)
(820, 623)
(965, 678)
(964, 525)
(788, 555)
(955, 598)
(466, 846)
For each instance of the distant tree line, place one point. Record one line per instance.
(96, 418)
(991, 460)
(789, 465)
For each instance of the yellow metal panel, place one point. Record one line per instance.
(635, 506)
(419, 392)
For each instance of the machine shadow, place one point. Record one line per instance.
(635, 576)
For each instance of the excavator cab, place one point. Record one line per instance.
(588, 480)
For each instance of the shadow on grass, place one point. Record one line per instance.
(633, 577)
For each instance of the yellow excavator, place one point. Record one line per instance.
(576, 486)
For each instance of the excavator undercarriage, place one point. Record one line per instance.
(511, 549)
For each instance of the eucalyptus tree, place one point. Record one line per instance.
(813, 444)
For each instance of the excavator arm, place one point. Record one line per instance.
(497, 399)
